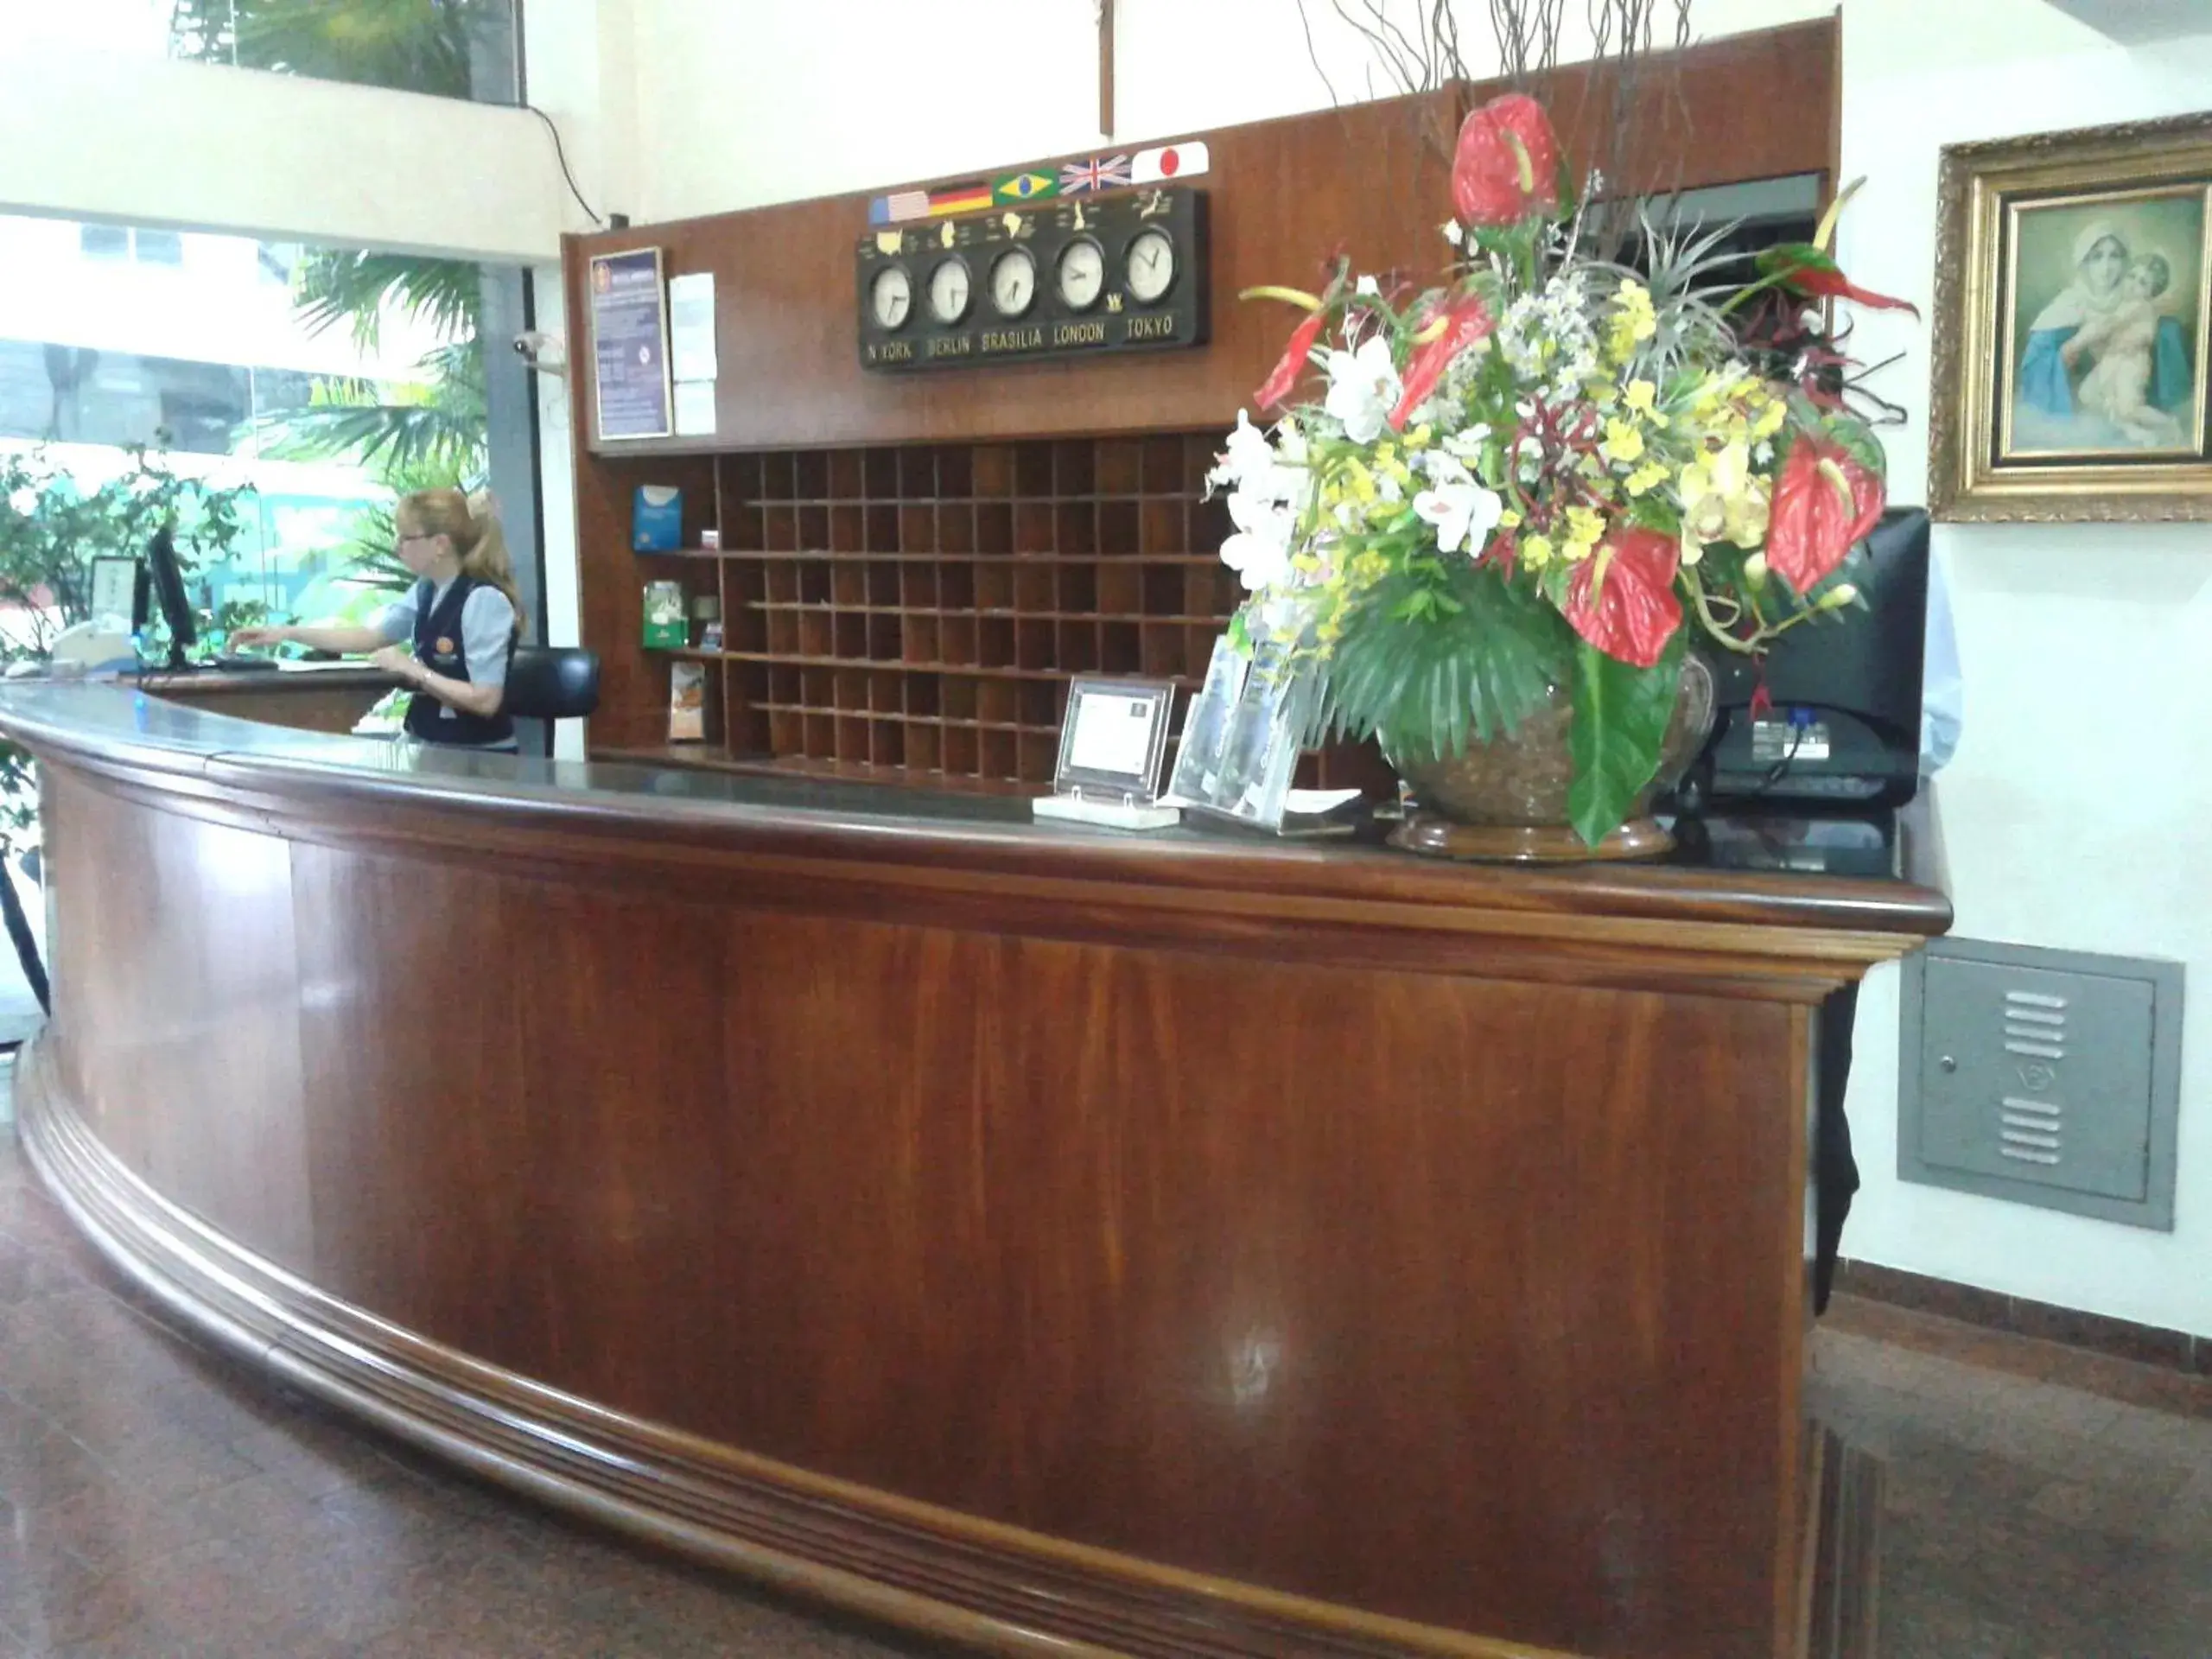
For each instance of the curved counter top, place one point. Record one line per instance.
(1061, 1242)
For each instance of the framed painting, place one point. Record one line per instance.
(2072, 315)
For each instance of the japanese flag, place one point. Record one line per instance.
(1168, 163)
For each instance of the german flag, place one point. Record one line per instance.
(960, 198)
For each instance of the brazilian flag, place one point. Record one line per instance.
(1023, 186)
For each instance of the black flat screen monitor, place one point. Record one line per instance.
(165, 578)
(1844, 727)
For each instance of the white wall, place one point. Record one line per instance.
(579, 58)
(92, 134)
(2079, 811)
(742, 103)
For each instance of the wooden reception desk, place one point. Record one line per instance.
(322, 699)
(1065, 1244)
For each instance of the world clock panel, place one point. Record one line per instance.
(1080, 276)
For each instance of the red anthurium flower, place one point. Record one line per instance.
(1458, 325)
(1278, 384)
(1507, 165)
(1804, 268)
(1825, 500)
(1621, 599)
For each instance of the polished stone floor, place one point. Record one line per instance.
(156, 1503)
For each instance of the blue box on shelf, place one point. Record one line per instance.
(656, 522)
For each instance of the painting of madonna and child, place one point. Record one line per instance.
(2108, 321)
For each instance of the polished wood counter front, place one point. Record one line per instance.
(1064, 1243)
(317, 700)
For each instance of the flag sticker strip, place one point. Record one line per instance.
(1162, 164)
(899, 206)
(1023, 186)
(902, 206)
(965, 199)
(1169, 163)
(1099, 173)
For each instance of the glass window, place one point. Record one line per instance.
(452, 48)
(157, 247)
(328, 379)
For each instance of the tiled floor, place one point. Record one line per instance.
(156, 1503)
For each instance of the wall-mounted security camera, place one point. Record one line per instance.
(547, 353)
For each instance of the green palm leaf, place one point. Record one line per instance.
(1429, 659)
(353, 286)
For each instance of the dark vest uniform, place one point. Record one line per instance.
(439, 647)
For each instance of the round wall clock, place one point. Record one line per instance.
(1150, 266)
(1082, 274)
(891, 297)
(1013, 282)
(949, 290)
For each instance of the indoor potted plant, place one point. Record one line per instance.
(1520, 493)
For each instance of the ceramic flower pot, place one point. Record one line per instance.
(1506, 798)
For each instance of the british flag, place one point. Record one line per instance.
(1099, 173)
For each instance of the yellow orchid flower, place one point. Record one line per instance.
(1623, 443)
(1535, 551)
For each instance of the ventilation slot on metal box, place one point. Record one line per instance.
(2045, 1076)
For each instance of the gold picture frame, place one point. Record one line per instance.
(2074, 326)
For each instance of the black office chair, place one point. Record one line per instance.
(552, 682)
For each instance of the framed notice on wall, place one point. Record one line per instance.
(629, 339)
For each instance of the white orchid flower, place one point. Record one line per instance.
(1247, 455)
(1368, 286)
(1463, 513)
(1259, 549)
(1364, 388)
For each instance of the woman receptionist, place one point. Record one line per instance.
(459, 622)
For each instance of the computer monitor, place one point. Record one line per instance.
(166, 580)
(1844, 724)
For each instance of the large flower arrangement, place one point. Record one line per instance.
(1540, 476)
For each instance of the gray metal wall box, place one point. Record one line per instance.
(2049, 1077)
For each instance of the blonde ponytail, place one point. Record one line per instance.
(470, 523)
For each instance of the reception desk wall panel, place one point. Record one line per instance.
(179, 933)
(422, 1131)
(1211, 1263)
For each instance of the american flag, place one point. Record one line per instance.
(1100, 172)
(899, 206)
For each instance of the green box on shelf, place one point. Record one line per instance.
(666, 628)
